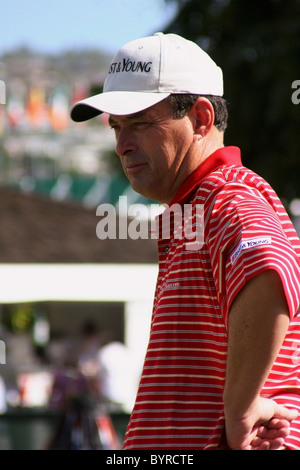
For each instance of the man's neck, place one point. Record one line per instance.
(201, 150)
(208, 145)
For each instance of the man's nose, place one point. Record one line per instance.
(125, 143)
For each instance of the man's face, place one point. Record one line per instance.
(154, 150)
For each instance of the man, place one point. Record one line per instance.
(221, 369)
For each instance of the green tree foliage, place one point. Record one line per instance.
(257, 44)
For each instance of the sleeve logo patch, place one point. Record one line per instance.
(249, 243)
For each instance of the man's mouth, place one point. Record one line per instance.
(132, 168)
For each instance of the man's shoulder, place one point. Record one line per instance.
(228, 183)
(224, 176)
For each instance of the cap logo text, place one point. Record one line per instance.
(127, 65)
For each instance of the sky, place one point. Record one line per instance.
(56, 25)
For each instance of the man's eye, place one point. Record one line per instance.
(140, 124)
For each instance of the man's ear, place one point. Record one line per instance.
(202, 116)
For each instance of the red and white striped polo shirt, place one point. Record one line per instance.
(246, 230)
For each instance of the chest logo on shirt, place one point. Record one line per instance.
(249, 243)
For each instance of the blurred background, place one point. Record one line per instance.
(75, 310)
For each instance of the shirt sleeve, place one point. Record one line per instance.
(245, 238)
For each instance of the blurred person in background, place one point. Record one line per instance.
(118, 377)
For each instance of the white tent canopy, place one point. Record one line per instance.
(77, 282)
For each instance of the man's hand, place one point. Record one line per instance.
(264, 427)
(258, 322)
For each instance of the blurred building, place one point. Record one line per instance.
(50, 255)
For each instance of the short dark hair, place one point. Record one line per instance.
(182, 103)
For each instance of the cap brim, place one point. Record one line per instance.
(120, 103)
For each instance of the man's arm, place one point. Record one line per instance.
(258, 321)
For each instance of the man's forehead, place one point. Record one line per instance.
(130, 117)
(149, 112)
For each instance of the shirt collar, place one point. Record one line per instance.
(225, 156)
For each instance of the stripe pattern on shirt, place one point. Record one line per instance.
(246, 230)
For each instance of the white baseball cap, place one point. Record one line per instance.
(148, 70)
